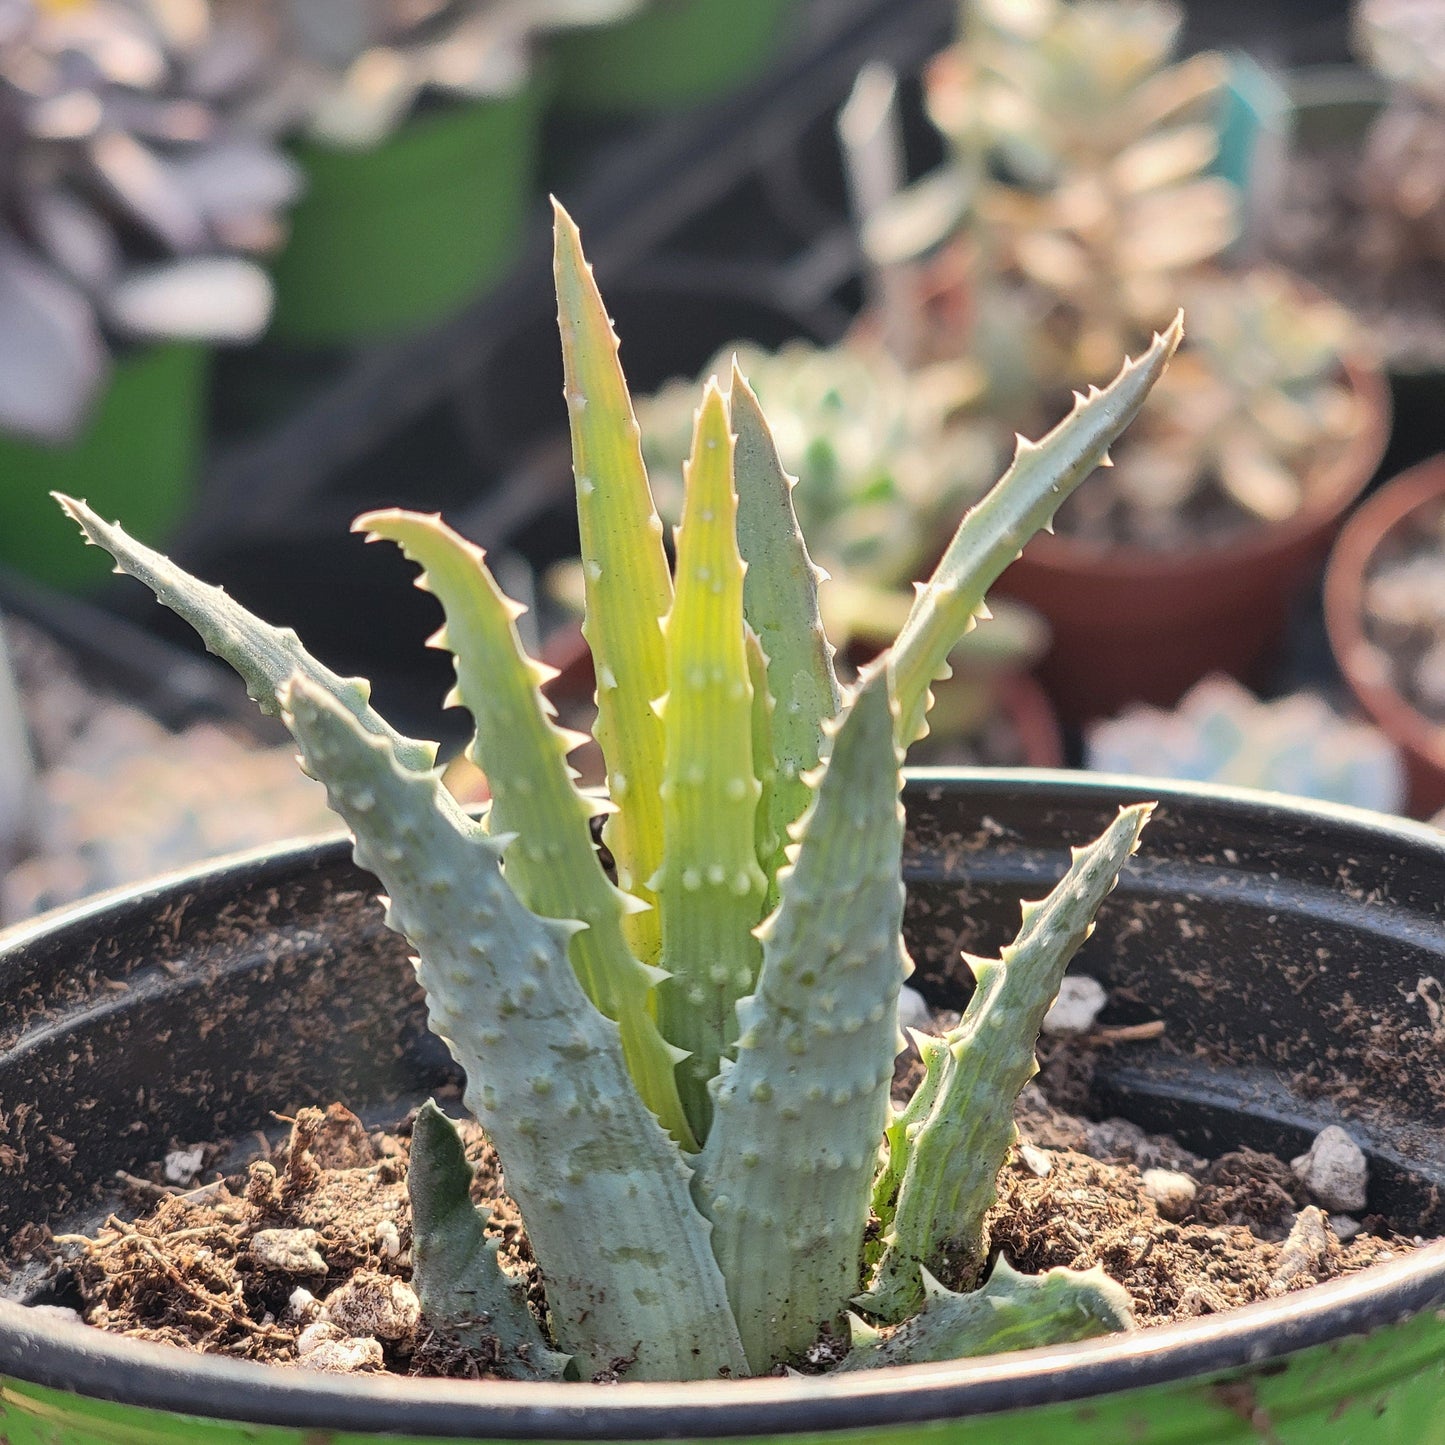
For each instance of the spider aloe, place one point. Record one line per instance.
(685, 1065)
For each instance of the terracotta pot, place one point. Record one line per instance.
(1133, 624)
(1421, 741)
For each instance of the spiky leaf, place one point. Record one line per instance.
(768, 844)
(545, 1072)
(994, 532)
(455, 1272)
(784, 1174)
(1012, 1311)
(552, 867)
(780, 597)
(627, 586)
(952, 1157)
(265, 656)
(711, 890)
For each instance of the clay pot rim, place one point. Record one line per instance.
(1344, 605)
(1334, 485)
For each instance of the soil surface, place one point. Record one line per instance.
(301, 1254)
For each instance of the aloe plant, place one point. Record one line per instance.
(696, 1216)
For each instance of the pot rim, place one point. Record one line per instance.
(150, 1376)
(1344, 605)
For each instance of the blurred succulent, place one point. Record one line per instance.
(1080, 160)
(125, 194)
(1078, 209)
(357, 68)
(1254, 403)
(885, 467)
(1221, 733)
(876, 494)
(1403, 169)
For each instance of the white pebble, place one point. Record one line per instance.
(1037, 1161)
(1171, 1192)
(317, 1333)
(182, 1165)
(374, 1304)
(388, 1239)
(291, 1251)
(352, 1356)
(1077, 1006)
(302, 1304)
(1334, 1171)
(913, 1010)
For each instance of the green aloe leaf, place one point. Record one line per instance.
(711, 890)
(263, 655)
(781, 601)
(951, 1157)
(1011, 1311)
(994, 532)
(461, 1285)
(784, 1174)
(552, 867)
(627, 586)
(545, 1073)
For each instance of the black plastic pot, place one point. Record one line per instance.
(1290, 950)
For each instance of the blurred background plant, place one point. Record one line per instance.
(886, 461)
(351, 71)
(1402, 172)
(133, 197)
(1221, 733)
(1254, 407)
(1081, 203)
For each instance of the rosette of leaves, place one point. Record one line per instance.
(1249, 411)
(1078, 207)
(129, 197)
(351, 71)
(685, 1061)
(885, 462)
(1079, 170)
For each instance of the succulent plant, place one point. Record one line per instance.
(1079, 207)
(1402, 171)
(685, 1065)
(1221, 733)
(885, 462)
(876, 492)
(128, 191)
(1252, 407)
(1081, 161)
(353, 70)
